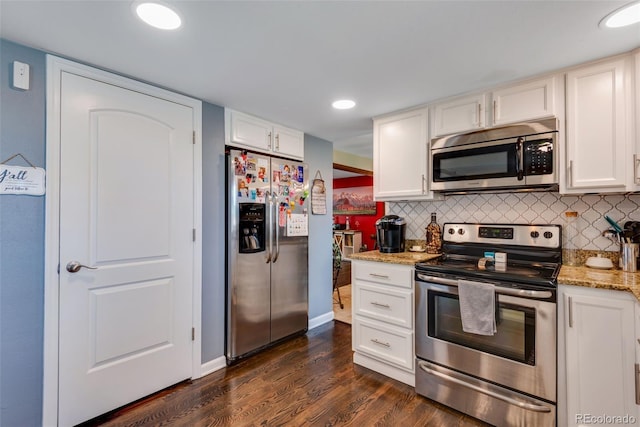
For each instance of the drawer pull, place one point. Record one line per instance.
(385, 344)
(382, 276)
(380, 305)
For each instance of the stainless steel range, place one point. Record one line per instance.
(505, 375)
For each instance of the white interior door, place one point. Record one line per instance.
(126, 209)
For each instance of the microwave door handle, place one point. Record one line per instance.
(519, 168)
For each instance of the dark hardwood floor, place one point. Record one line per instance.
(307, 381)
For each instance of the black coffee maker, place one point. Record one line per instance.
(390, 233)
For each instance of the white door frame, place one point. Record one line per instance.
(55, 67)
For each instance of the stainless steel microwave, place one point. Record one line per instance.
(517, 157)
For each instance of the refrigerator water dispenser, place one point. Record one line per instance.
(252, 227)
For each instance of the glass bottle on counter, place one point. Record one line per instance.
(570, 239)
(434, 236)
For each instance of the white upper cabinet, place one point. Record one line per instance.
(288, 142)
(459, 115)
(526, 101)
(520, 102)
(635, 119)
(246, 131)
(599, 128)
(400, 156)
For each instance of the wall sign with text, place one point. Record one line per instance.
(24, 180)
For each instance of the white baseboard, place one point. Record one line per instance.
(321, 320)
(213, 365)
(221, 362)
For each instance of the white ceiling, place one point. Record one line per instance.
(287, 61)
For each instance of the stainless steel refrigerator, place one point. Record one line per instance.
(267, 251)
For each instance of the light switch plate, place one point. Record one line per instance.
(20, 75)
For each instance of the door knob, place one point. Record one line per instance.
(75, 266)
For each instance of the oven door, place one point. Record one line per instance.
(480, 165)
(522, 353)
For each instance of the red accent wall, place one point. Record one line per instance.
(366, 223)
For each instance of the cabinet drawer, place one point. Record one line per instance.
(386, 343)
(379, 272)
(384, 303)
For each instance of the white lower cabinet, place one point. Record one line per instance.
(383, 327)
(597, 357)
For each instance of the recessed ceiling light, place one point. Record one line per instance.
(626, 15)
(343, 104)
(158, 15)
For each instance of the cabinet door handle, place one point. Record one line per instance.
(269, 143)
(423, 179)
(479, 114)
(570, 173)
(637, 375)
(570, 302)
(380, 305)
(278, 142)
(495, 108)
(381, 276)
(385, 344)
(635, 169)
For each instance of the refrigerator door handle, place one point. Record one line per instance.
(268, 226)
(277, 228)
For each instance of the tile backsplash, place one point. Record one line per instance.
(532, 208)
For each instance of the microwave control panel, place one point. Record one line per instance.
(538, 157)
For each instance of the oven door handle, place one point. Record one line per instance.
(525, 293)
(504, 398)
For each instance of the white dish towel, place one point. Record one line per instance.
(477, 307)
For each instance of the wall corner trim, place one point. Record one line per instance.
(321, 320)
(213, 365)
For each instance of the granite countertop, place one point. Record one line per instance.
(602, 279)
(405, 258)
(577, 276)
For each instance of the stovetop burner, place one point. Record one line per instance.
(534, 253)
(534, 273)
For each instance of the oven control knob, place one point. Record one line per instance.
(451, 231)
(535, 234)
(461, 231)
(548, 234)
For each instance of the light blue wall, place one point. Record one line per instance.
(22, 130)
(213, 232)
(318, 154)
